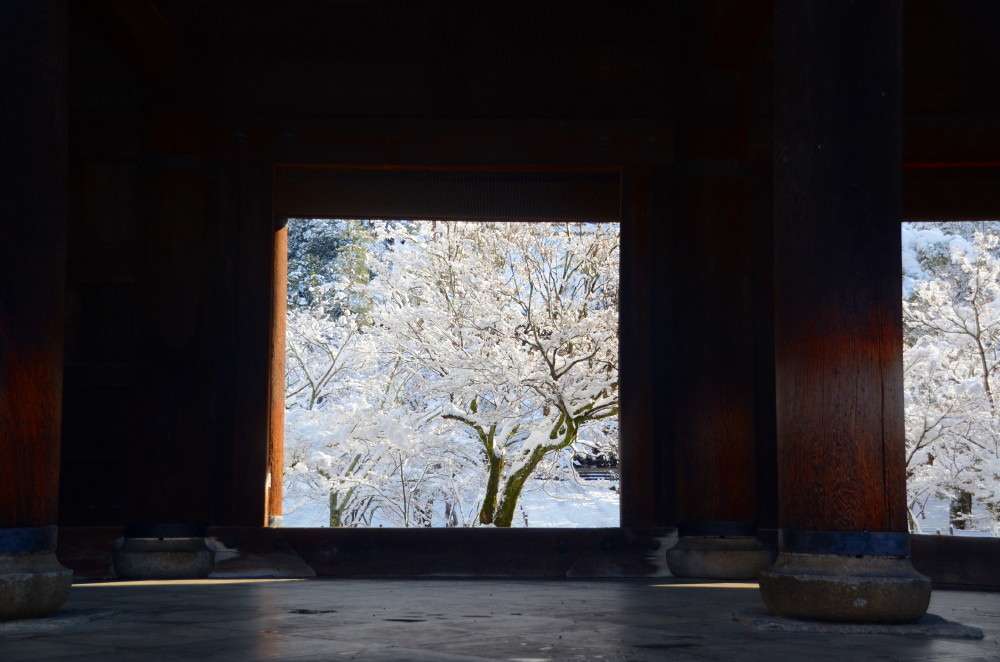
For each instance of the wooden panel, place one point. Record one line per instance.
(710, 336)
(99, 424)
(251, 344)
(957, 560)
(172, 461)
(646, 467)
(711, 339)
(100, 387)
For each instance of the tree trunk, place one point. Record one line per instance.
(960, 509)
(488, 512)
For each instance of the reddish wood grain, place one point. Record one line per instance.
(711, 339)
(276, 422)
(837, 267)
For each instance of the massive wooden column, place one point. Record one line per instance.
(172, 463)
(32, 292)
(712, 341)
(843, 540)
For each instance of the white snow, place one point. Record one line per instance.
(548, 503)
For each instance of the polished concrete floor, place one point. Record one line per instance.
(458, 619)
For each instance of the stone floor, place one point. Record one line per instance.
(458, 619)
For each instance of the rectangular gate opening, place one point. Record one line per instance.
(951, 363)
(451, 373)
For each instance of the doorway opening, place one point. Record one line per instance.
(517, 423)
(951, 362)
(451, 374)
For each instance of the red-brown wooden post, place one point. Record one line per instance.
(276, 420)
(33, 194)
(843, 540)
(712, 341)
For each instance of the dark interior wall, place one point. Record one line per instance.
(144, 397)
(180, 109)
(106, 127)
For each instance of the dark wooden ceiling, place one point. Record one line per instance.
(558, 60)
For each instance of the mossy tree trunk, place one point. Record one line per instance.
(499, 506)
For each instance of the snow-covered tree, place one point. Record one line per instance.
(327, 257)
(326, 359)
(951, 362)
(485, 355)
(509, 331)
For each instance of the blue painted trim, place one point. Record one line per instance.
(718, 529)
(28, 539)
(845, 543)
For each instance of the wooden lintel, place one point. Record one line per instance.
(449, 142)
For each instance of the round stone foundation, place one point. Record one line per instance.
(847, 589)
(32, 584)
(706, 557)
(163, 558)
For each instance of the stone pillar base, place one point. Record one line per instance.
(707, 557)
(163, 558)
(32, 584)
(854, 589)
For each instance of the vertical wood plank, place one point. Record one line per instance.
(172, 458)
(646, 461)
(252, 343)
(712, 347)
(276, 384)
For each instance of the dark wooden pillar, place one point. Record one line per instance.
(843, 540)
(172, 462)
(711, 337)
(646, 454)
(250, 223)
(33, 193)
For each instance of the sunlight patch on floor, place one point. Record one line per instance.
(181, 582)
(710, 585)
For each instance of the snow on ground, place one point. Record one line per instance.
(569, 504)
(935, 521)
(300, 513)
(545, 503)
